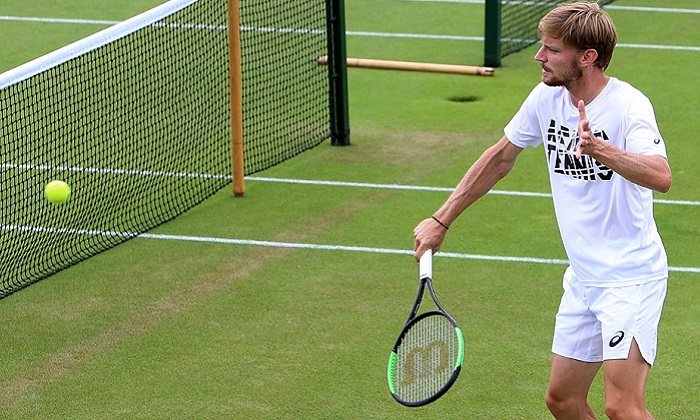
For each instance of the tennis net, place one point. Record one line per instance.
(137, 120)
(511, 25)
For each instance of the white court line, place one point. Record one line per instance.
(109, 171)
(133, 172)
(356, 33)
(294, 245)
(609, 6)
(480, 38)
(434, 189)
(416, 36)
(57, 20)
(550, 261)
(652, 9)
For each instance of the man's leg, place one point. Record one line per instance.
(625, 384)
(569, 383)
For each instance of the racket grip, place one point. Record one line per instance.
(426, 264)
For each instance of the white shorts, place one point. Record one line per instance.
(599, 323)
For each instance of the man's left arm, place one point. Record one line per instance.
(650, 171)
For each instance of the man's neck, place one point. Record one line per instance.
(588, 87)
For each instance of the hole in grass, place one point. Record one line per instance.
(463, 98)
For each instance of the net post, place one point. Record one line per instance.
(234, 36)
(492, 35)
(338, 73)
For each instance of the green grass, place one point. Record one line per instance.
(160, 329)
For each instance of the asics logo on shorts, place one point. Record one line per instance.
(615, 340)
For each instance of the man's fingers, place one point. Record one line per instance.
(583, 128)
(420, 250)
(418, 253)
(578, 149)
(428, 234)
(582, 109)
(584, 125)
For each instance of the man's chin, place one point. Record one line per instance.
(549, 81)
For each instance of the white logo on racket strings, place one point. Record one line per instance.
(420, 362)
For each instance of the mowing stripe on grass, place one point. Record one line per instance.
(65, 360)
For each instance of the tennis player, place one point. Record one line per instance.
(605, 157)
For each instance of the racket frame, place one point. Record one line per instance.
(413, 318)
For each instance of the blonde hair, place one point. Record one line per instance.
(582, 25)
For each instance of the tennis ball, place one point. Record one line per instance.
(57, 192)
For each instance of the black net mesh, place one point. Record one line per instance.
(140, 128)
(519, 21)
(285, 93)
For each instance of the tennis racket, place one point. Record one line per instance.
(429, 352)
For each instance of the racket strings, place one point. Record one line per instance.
(426, 358)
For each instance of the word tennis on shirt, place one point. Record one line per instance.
(561, 153)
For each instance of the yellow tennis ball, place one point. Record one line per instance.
(57, 192)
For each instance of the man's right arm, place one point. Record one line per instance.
(493, 165)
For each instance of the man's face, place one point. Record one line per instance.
(560, 63)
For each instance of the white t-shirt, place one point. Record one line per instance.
(606, 222)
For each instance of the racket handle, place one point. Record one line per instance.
(426, 264)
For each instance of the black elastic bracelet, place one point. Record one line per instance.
(440, 223)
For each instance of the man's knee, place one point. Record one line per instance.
(559, 404)
(620, 407)
(617, 409)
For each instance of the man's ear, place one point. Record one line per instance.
(589, 57)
